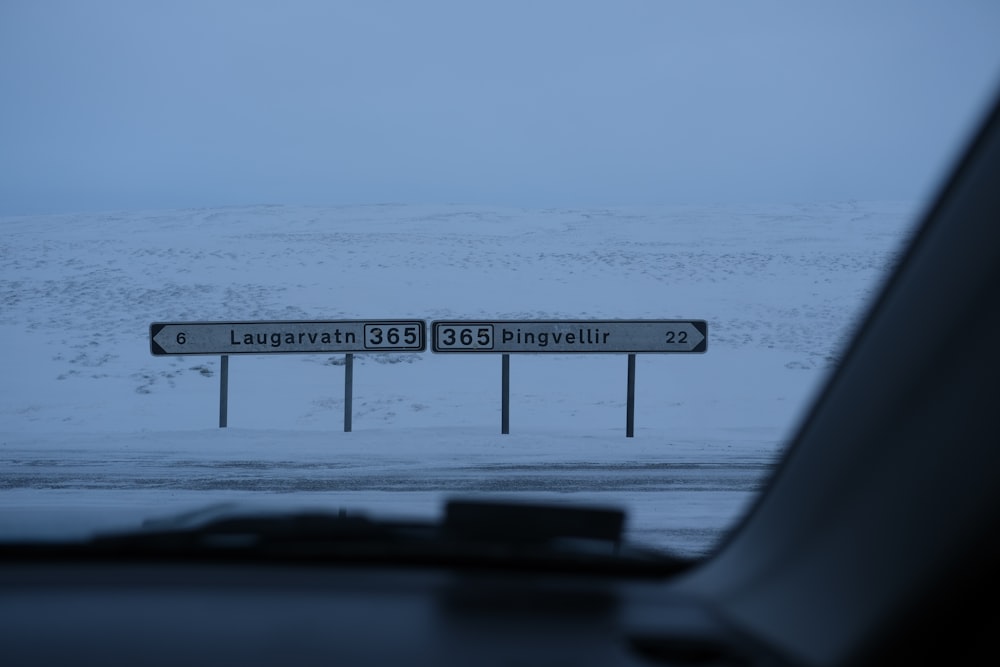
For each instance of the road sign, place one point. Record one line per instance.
(568, 336)
(300, 337)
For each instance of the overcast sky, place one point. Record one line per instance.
(139, 105)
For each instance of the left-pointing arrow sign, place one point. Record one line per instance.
(288, 337)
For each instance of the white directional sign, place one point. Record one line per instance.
(562, 336)
(287, 337)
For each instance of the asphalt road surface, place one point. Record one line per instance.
(684, 506)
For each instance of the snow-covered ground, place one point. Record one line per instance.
(96, 432)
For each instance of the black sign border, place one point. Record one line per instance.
(700, 325)
(156, 350)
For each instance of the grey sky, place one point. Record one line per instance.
(134, 104)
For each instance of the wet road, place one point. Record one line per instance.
(282, 476)
(685, 506)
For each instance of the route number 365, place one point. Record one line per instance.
(470, 337)
(391, 337)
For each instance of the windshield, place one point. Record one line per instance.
(750, 173)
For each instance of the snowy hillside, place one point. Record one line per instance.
(779, 286)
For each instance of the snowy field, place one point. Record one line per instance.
(95, 433)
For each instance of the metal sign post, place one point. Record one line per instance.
(224, 392)
(630, 399)
(348, 390)
(629, 337)
(505, 394)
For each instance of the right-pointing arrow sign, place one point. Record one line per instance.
(562, 336)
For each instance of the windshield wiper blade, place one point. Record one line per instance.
(472, 520)
(472, 533)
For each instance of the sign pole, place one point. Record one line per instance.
(630, 399)
(505, 394)
(348, 390)
(224, 392)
